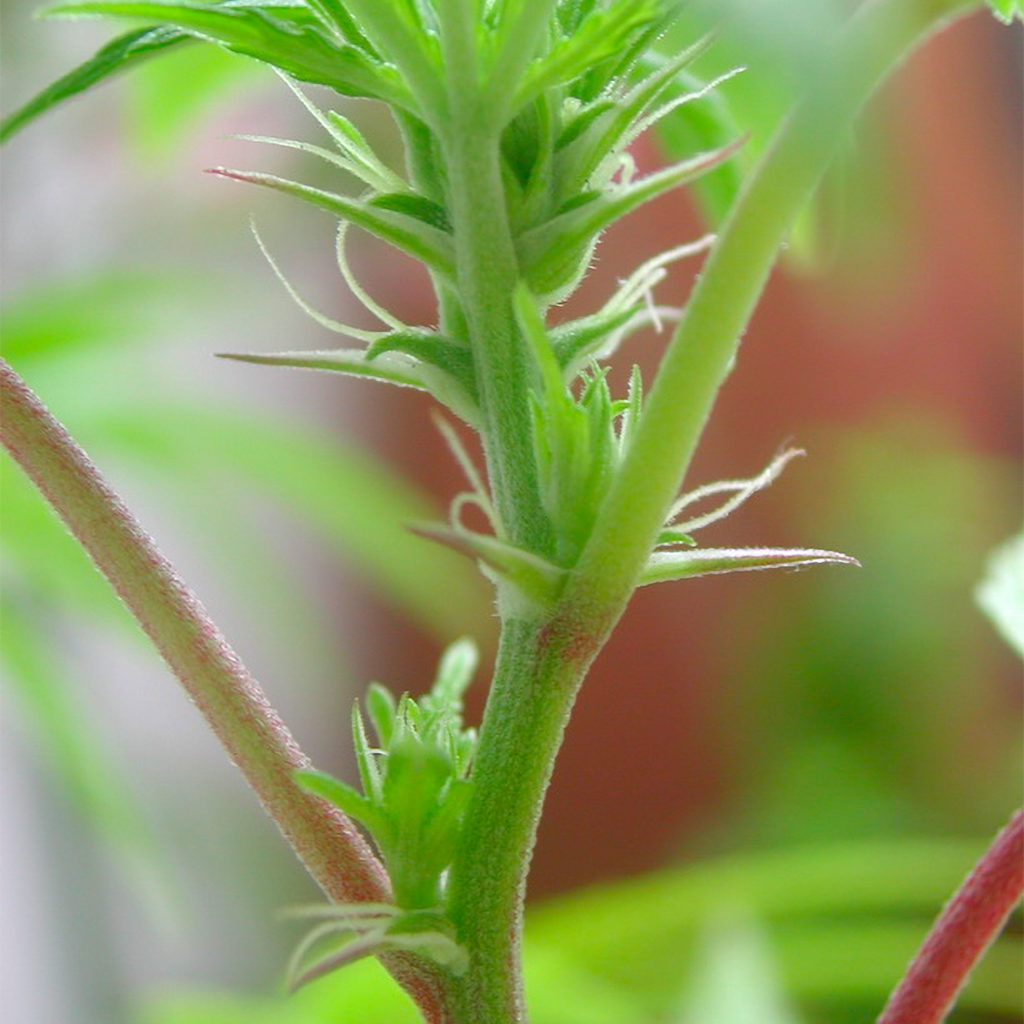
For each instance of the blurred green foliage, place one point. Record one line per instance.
(765, 53)
(170, 97)
(868, 708)
(837, 924)
(199, 458)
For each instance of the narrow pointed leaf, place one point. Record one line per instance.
(342, 914)
(630, 417)
(441, 833)
(571, 13)
(423, 162)
(342, 796)
(549, 252)
(349, 952)
(677, 565)
(418, 207)
(599, 78)
(455, 360)
(299, 49)
(455, 672)
(434, 945)
(118, 55)
(328, 155)
(530, 319)
(350, 141)
(537, 579)
(419, 239)
(370, 774)
(390, 367)
(576, 124)
(380, 706)
(590, 335)
(333, 12)
(403, 43)
(351, 144)
(607, 131)
(600, 35)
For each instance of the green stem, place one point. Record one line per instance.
(706, 341)
(403, 45)
(542, 663)
(536, 680)
(487, 271)
(332, 851)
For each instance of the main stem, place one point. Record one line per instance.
(487, 271)
(542, 661)
(533, 684)
(536, 679)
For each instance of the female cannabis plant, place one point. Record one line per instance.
(516, 120)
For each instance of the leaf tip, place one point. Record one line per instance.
(228, 172)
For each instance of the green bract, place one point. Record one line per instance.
(414, 778)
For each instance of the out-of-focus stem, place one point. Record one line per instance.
(231, 701)
(966, 927)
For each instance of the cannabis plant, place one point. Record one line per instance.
(516, 121)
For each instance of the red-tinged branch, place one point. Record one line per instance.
(966, 927)
(333, 852)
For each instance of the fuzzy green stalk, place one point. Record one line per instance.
(542, 661)
(536, 679)
(487, 272)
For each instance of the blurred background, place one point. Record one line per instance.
(766, 727)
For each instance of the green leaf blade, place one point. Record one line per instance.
(552, 253)
(536, 579)
(118, 55)
(411, 234)
(600, 35)
(339, 794)
(451, 358)
(351, 361)
(604, 128)
(663, 566)
(295, 45)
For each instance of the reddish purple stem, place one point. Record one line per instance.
(968, 924)
(333, 852)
